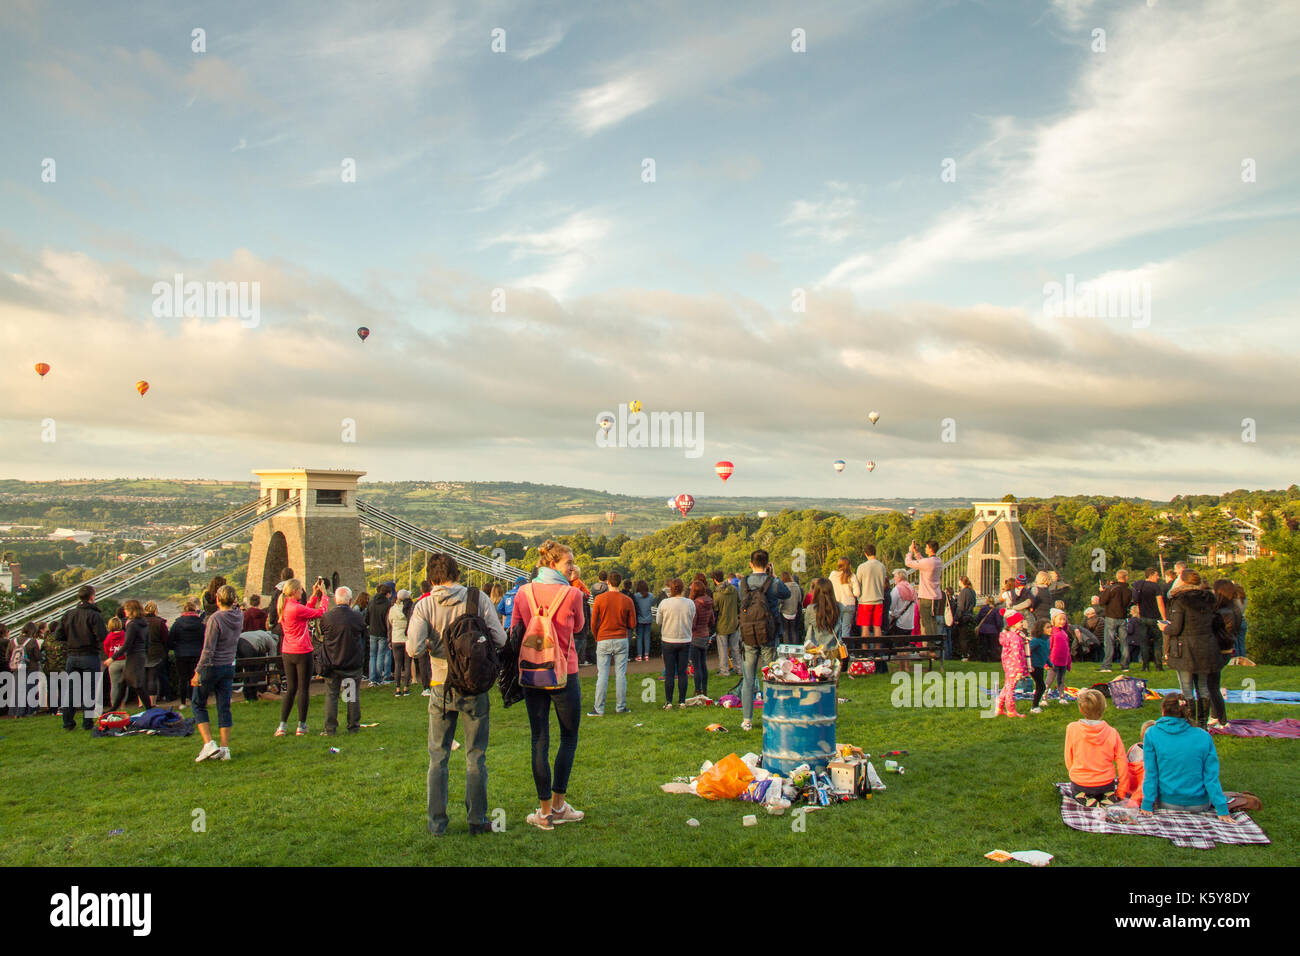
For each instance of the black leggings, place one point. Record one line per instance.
(422, 670)
(401, 669)
(297, 672)
(675, 658)
(1039, 684)
(185, 674)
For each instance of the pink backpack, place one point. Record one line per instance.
(541, 665)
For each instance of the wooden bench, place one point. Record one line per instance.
(256, 674)
(903, 649)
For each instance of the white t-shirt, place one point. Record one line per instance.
(676, 618)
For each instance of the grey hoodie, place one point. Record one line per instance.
(431, 614)
(221, 638)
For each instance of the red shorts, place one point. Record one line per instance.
(871, 615)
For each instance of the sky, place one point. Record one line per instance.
(1054, 245)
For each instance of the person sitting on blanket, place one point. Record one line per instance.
(1182, 766)
(1094, 754)
(1137, 767)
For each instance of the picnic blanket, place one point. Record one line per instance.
(182, 729)
(1256, 696)
(1200, 831)
(1288, 727)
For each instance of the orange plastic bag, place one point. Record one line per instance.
(725, 780)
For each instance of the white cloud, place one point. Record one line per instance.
(1154, 139)
(828, 220)
(568, 250)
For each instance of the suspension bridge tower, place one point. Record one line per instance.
(319, 536)
(999, 554)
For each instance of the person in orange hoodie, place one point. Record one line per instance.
(1137, 767)
(1095, 755)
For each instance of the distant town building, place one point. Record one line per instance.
(10, 579)
(1243, 547)
(70, 534)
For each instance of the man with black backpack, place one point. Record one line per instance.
(760, 612)
(462, 634)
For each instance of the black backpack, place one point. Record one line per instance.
(756, 625)
(472, 661)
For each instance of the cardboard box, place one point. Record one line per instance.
(847, 776)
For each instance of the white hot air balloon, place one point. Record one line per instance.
(839, 465)
(873, 417)
(672, 504)
(606, 423)
(871, 466)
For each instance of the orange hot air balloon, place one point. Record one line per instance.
(142, 386)
(610, 516)
(724, 469)
(684, 503)
(42, 369)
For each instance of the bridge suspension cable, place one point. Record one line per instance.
(386, 522)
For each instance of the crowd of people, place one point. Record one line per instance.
(397, 639)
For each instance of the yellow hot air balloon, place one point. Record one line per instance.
(142, 386)
(871, 466)
(874, 417)
(634, 406)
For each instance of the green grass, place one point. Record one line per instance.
(971, 785)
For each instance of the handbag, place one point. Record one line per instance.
(947, 614)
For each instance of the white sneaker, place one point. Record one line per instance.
(1035, 710)
(210, 749)
(539, 820)
(566, 814)
(746, 725)
(425, 692)
(223, 753)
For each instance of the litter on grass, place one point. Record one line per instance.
(367, 725)
(334, 750)
(692, 822)
(115, 832)
(1032, 857)
(716, 729)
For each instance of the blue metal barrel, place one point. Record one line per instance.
(798, 726)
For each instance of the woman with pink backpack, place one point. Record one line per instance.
(551, 610)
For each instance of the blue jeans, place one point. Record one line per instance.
(753, 655)
(612, 650)
(219, 681)
(729, 659)
(568, 712)
(675, 658)
(700, 664)
(844, 627)
(380, 662)
(445, 706)
(1239, 646)
(643, 639)
(1112, 632)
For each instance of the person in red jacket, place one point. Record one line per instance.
(297, 647)
(613, 619)
(254, 614)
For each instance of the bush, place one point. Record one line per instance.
(1273, 601)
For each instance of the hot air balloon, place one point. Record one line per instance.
(762, 514)
(874, 417)
(684, 503)
(363, 333)
(839, 465)
(606, 423)
(672, 504)
(142, 386)
(42, 368)
(871, 466)
(634, 406)
(724, 469)
(911, 512)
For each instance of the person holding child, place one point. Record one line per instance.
(1095, 755)
(1182, 766)
(1015, 666)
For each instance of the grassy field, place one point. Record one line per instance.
(971, 785)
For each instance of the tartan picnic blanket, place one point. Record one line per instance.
(1200, 831)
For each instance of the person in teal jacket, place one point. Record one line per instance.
(1182, 766)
